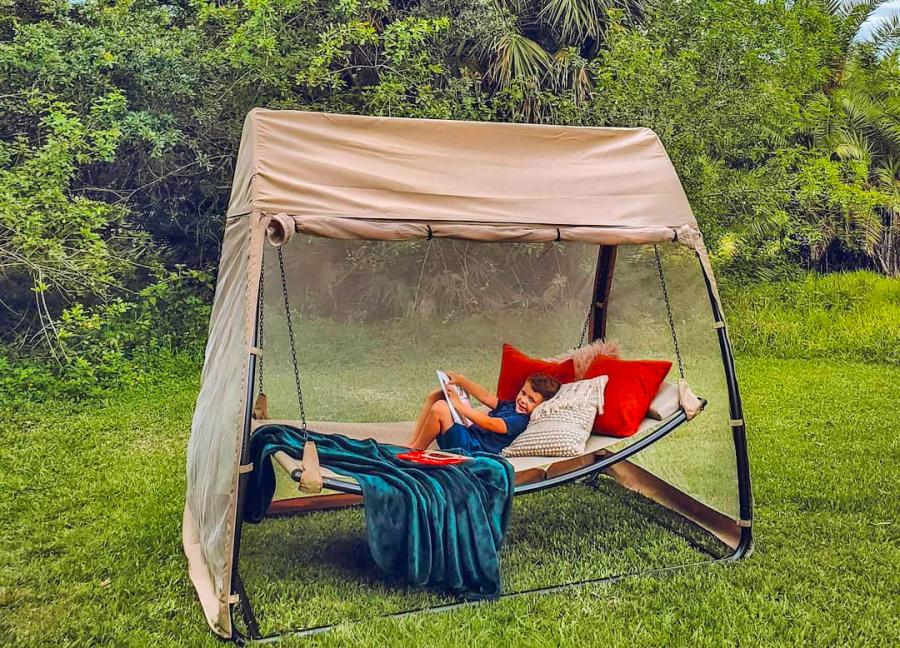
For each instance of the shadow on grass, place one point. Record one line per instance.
(316, 569)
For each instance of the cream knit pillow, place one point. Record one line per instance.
(560, 426)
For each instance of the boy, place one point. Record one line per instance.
(489, 432)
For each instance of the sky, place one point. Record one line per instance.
(891, 8)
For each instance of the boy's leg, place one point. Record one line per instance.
(437, 421)
(432, 398)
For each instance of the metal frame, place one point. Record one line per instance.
(738, 430)
(602, 282)
(237, 585)
(670, 424)
(242, 639)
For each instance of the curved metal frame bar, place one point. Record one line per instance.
(739, 430)
(241, 639)
(667, 426)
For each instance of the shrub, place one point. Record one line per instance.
(117, 343)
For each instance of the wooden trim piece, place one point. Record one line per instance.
(564, 466)
(635, 478)
(530, 476)
(294, 505)
(260, 411)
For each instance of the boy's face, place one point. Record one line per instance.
(527, 399)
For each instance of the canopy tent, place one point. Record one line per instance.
(354, 179)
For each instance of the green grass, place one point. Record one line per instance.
(91, 499)
(853, 315)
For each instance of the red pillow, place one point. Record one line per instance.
(631, 388)
(515, 367)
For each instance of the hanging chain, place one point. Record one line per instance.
(584, 328)
(261, 309)
(290, 328)
(662, 282)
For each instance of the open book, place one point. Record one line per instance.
(443, 379)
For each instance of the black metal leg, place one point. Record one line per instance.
(247, 609)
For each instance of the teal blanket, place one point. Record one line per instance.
(436, 526)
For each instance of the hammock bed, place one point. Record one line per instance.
(378, 236)
(532, 472)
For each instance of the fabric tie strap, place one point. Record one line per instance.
(261, 407)
(688, 400)
(311, 479)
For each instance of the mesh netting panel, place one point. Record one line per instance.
(699, 457)
(212, 454)
(374, 320)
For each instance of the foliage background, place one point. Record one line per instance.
(119, 122)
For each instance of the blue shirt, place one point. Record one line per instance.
(515, 425)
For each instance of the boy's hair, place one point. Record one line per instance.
(545, 385)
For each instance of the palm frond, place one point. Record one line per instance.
(570, 72)
(515, 7)
(576, 20)
(850, 17)
(887, 172)
(518, 58)
(845, 8)
(852, 145)
(868, 227)
(891, 131)
(861, 111)
(834, 7)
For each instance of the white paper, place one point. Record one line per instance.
(443, 379)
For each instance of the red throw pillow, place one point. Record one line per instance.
(631, 388)
(515, 367)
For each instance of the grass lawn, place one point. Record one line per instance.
(90, 554)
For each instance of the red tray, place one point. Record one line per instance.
(433, 457)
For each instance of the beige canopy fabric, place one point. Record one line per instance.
(321, 166)
(354, 177)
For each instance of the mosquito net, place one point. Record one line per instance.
(372, 321)
(212, 454)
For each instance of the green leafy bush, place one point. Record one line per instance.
(117, 343)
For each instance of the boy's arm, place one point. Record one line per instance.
(481, 393)
(482, 420)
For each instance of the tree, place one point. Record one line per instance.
(119, 121)
(849, 188)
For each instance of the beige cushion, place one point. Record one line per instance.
(665, 403)
(560, 426)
